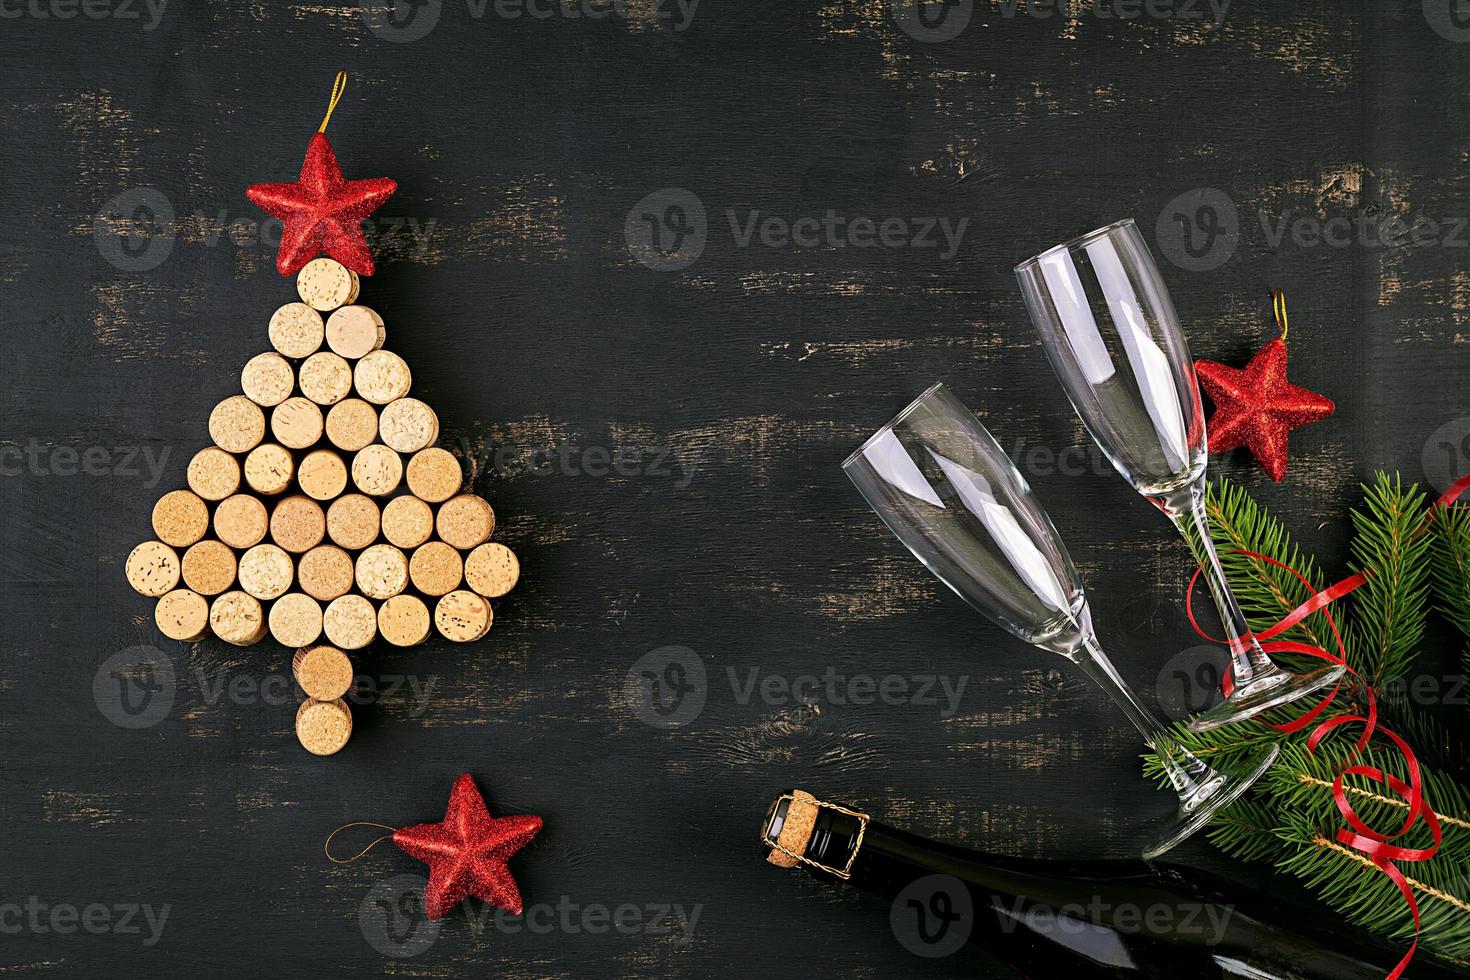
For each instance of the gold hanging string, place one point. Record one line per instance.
(338, 87)
(1278, 303)
(327, 844)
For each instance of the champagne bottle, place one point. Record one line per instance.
(1073, 919)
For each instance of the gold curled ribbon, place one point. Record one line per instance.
(1278, 304)
(338, 87)
(327, 844)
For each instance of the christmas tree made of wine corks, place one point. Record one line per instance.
(323, 514)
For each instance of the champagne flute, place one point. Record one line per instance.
(950, 493)
(1110, 331)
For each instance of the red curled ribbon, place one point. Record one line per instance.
(1376, 846)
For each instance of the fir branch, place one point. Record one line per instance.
(1449, 555)
(1389, 609)
(1265, 593)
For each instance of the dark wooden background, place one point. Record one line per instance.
(532, 325)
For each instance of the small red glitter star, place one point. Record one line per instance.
(467, 852)
(322, 212)
(1256, 406)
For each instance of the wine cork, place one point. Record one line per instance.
(240, 521)
(465, 521)
(407, 522)
(796, 830)
(237, 424)
(296, 330)
(435, 569)
(182, 615)
(237, 617)
(463, 617)
(297, 423)
(213, 473)
(267, 379)
(296, 620)
(352, 521)
(382, 572)
(269, 468)
(355, 331)
(266, 572)
(492, 570)
(324, 672)
(298, 525)
(180, 518)
(352, 424)
(209, 567)
(323, 727)
(325, 284)
(325, 572)
(350, 622)
(404, 620)
(434, 475)
(408, 425)
(377, 470)
(322, 475)
(153, 569)
(382, 376)
(325, 378)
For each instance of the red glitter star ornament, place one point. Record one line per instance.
(321, 211)
(1257, 407)
(467, 852)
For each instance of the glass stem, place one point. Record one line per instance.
(1189, 776)
(1186, 508)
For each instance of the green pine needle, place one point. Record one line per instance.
(1290, 818)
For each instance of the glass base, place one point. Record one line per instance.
(1218, 790)
(1277, 687)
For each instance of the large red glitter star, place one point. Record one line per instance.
(468, 851)
(1256, 406)
(322, 212)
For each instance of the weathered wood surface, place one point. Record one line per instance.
(523, 146)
